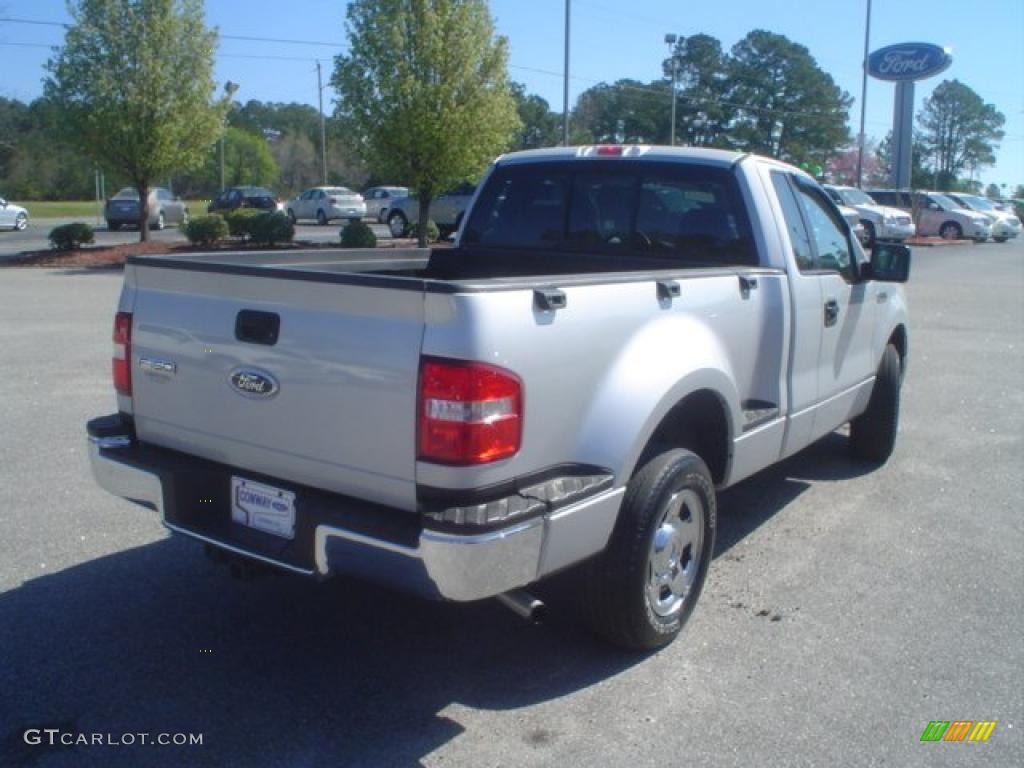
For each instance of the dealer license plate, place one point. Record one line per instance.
(263, 507)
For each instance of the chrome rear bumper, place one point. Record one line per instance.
(442, 564)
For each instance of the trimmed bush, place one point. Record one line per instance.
(239, 221)
(271, 228)
(433, 233)
(206, 230)
(70, 237)
(358, 235)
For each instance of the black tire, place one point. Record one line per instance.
(950, 230)
(291, 217)
(617, 585)
(321, 218)
(20, 222)
(398, 223)
(1000, 239)
(873, 433)
(160, 222)
(869, 234)
(113, 226)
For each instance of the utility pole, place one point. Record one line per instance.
(863, 99)
(229, 89)
(323, 124)
(670, 39)
(565, 87)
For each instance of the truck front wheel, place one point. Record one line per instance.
(873, 433)
(640, 591)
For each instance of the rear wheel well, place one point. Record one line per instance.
(699, 424)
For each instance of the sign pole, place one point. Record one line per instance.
(902, 135)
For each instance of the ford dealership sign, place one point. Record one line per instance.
(908, 61)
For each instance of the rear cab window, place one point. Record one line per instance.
(684, 214)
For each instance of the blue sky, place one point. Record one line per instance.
(610, 41)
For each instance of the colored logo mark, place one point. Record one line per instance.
(958, 730)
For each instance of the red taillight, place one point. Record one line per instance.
(469, 413)
(610, 150)
(123, 353)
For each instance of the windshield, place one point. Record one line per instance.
(979, 203)
(945, 202)
(255, 192)
(128, 193)
(340, 191)
(853, 196)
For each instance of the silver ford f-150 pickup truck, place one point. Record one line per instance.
(618, 331)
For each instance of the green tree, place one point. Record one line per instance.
(248, 161)
(1018, 193)
(626, 111)
(992, 190)
(424, 90)
(959, 130)
(788, 107)
(134, 85)
(540, 126)
(702, 82)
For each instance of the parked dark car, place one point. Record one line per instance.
(244, 197)
(164, 208)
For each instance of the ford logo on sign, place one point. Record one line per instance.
(253, 383)
(908, 61)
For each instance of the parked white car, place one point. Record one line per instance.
(853, 219)
(880, 222)
(937, 214)
(12, 216)
(1005, 225)
(326, 203)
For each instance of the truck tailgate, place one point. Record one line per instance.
(345, 362)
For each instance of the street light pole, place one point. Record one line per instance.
(863, 99)
(670, 39)
(565, 86)
(230, 89)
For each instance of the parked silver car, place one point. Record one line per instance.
(936, 214)
(378, 201)
(326, 203)
(164, 208)
(12, 216)
(446, 211)
(1005, 225)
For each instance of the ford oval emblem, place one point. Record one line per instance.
(908, 61)
(253, 383)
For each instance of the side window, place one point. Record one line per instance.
(827, 232)
(794, 223)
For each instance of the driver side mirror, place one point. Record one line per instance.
(3, 203)
(890, 263)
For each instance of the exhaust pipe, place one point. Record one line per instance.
(521, 602)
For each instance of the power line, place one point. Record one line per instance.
(246, 38)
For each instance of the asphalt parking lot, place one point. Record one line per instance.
(35, 236)
(845, 609)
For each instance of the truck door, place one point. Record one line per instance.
(845, 360)
(807, 325)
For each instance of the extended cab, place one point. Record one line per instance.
(618, 332)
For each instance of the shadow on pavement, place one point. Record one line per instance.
(283, 671)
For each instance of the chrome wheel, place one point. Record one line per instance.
(950, 231)
(674, 556)
(21, 222)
